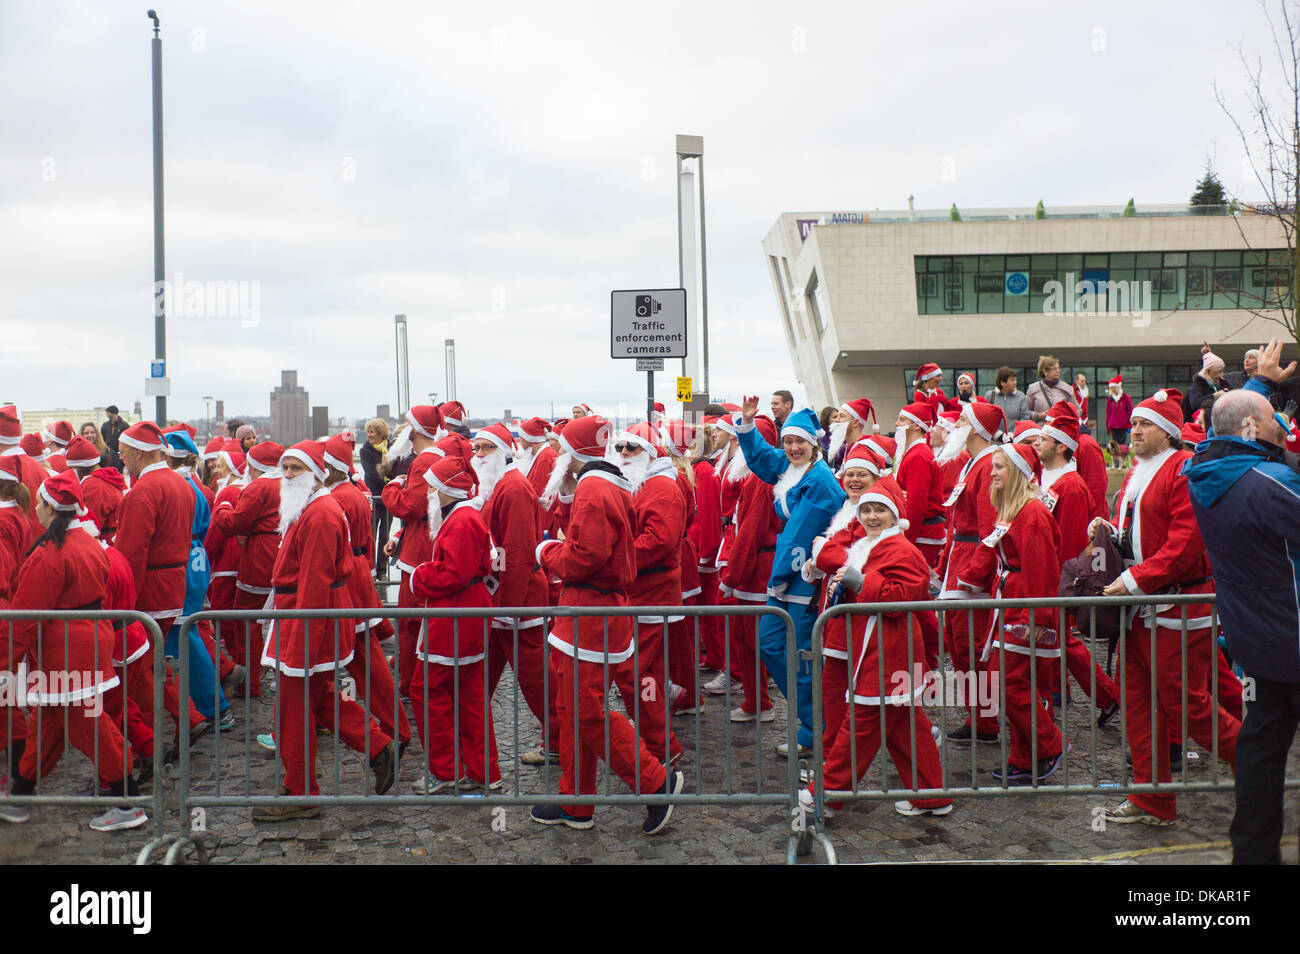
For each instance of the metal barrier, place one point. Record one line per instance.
(948, 690)
(705, 785)
(49, 730)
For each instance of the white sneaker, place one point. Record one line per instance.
(720, 684)
(783, 750)
(15, 814)
(806, 803)
(911, 811)
(117, 819)
(431, 785)
(936, 733)
(738, 714)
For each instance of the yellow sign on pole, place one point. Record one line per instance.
(684, 390)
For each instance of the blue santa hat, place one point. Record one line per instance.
(803, 424)
(181, 444)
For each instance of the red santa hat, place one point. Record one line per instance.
(586, 409)
(861, 409)
(499, 435)
(338, 454)
(11, 425)
(81, 453)
(425, 419)
(534, 430)
(966, 376)
(767, 427)
(63, 492)
(265, 457)
(725, 422)
(887, 491)
(920, 413)
(558, 425)
(455, 445)
(33, 446)
(987, 419)
(1192, 433)
(453, 414)
(9, 468)
(145, 436)
(212, 448)
(311, 453)
(1062, 424)
(925, 372)
(1025, 431)
(1117, 379)
(678, 437)
(1025, 459)
(643, 435)
(60, 432)
(885, 446)
(232, 452)
(585, 438)
(860, 455)
(1164, 409)
(453, 476)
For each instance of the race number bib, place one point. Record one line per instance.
(956, 492)
(999, 531)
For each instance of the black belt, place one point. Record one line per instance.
(477, 579)
(767, 549)
(165, 566)
(966, 538)
(728, 520)
(291, 590)
(92, 605)
(358, 551)
(928, 521)
(1176, 587)
(589, 586)
(256, 533)
(651, 570)
(1010, 569)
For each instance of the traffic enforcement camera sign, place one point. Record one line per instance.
(648, 323)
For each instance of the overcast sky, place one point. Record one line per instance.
(493, 175)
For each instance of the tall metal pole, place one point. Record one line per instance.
(704, 284)
(159, 254)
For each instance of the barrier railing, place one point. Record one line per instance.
(55, 695)
(895, 701)
(639, 679)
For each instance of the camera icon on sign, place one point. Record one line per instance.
(647, 305)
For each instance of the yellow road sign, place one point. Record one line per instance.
(684, 390)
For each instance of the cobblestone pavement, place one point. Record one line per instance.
(1021, 828)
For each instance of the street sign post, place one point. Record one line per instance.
(649, 325)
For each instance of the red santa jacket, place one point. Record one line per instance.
(1168, 553)
(690, 578)
(706, 531)
(254, 515)
(830, 552)
(224, 553)
(937, 398)
(749, 562)
(514, 520)
(311, 571)
(729, 497)
(1020, 561)
(918, 475)
(539, 472)
(132, 640)
(1070, 502)
(407, 498)
(1092, 468)
(660, 532)
(13, 550)
(971, 519)
(71, 576)
(355, 504)
(155, 522)
(102, 491)
(887, 569)
(453, 576)
(949, 472)
(32, 475)
(596, 562)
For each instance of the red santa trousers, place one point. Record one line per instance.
(835, 686)
(1229, 688)
(296, 737)
(580, 695)
(439, 696)
(862, 744)
(684, 655)
(84, 727)
(1080, 665)
(137, 731)
(964, 632)
(245, 640)
(1028, 715)
(640, 680)
(711, 629)
(744, 661)
(530, 666)
(375, 686)
(408, 636)
(1167, 664)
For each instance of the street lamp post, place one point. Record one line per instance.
(207, 405)
(159, 254)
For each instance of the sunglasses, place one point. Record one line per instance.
(624, 448)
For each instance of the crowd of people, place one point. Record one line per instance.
(969, 497)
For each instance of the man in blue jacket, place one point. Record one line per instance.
(1247, 503)
(806, 495)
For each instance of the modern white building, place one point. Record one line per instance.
(867, 297)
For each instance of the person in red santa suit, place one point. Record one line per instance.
(862, 468)
(659, 534)
(686, 636)
(918, 475)
(948, 441)
(225, 552)
(509, 507)
(55, 439)
(455, 419)
(15, 503)
(858, 417)
(535, 458)
(1070, 502)
(101, 487)
(254, 515)
(211, 450)
(369, 667)
(30, 472)
(67, 570)
(706, 534)
(1019, 560)
(979, 428)
(1091, 465)
(311, 571)
(726, 453)
(1164, 553)
(406, 497)
(447, 697)
(597, 563)
(883, 567)
(929, 392)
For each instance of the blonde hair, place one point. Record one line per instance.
(1011, 498)
(98, 440)
(380, 425)
(685, 466)
(1046, 361)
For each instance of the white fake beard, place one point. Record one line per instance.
(954, 445)
(435, 514)
(525, 454)
(489, 470)
(789, 477)
(839, 431)
(556, 480)
(401, 447)
(294, 494)
(737, 468)
(900, 443)
(634, 469)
